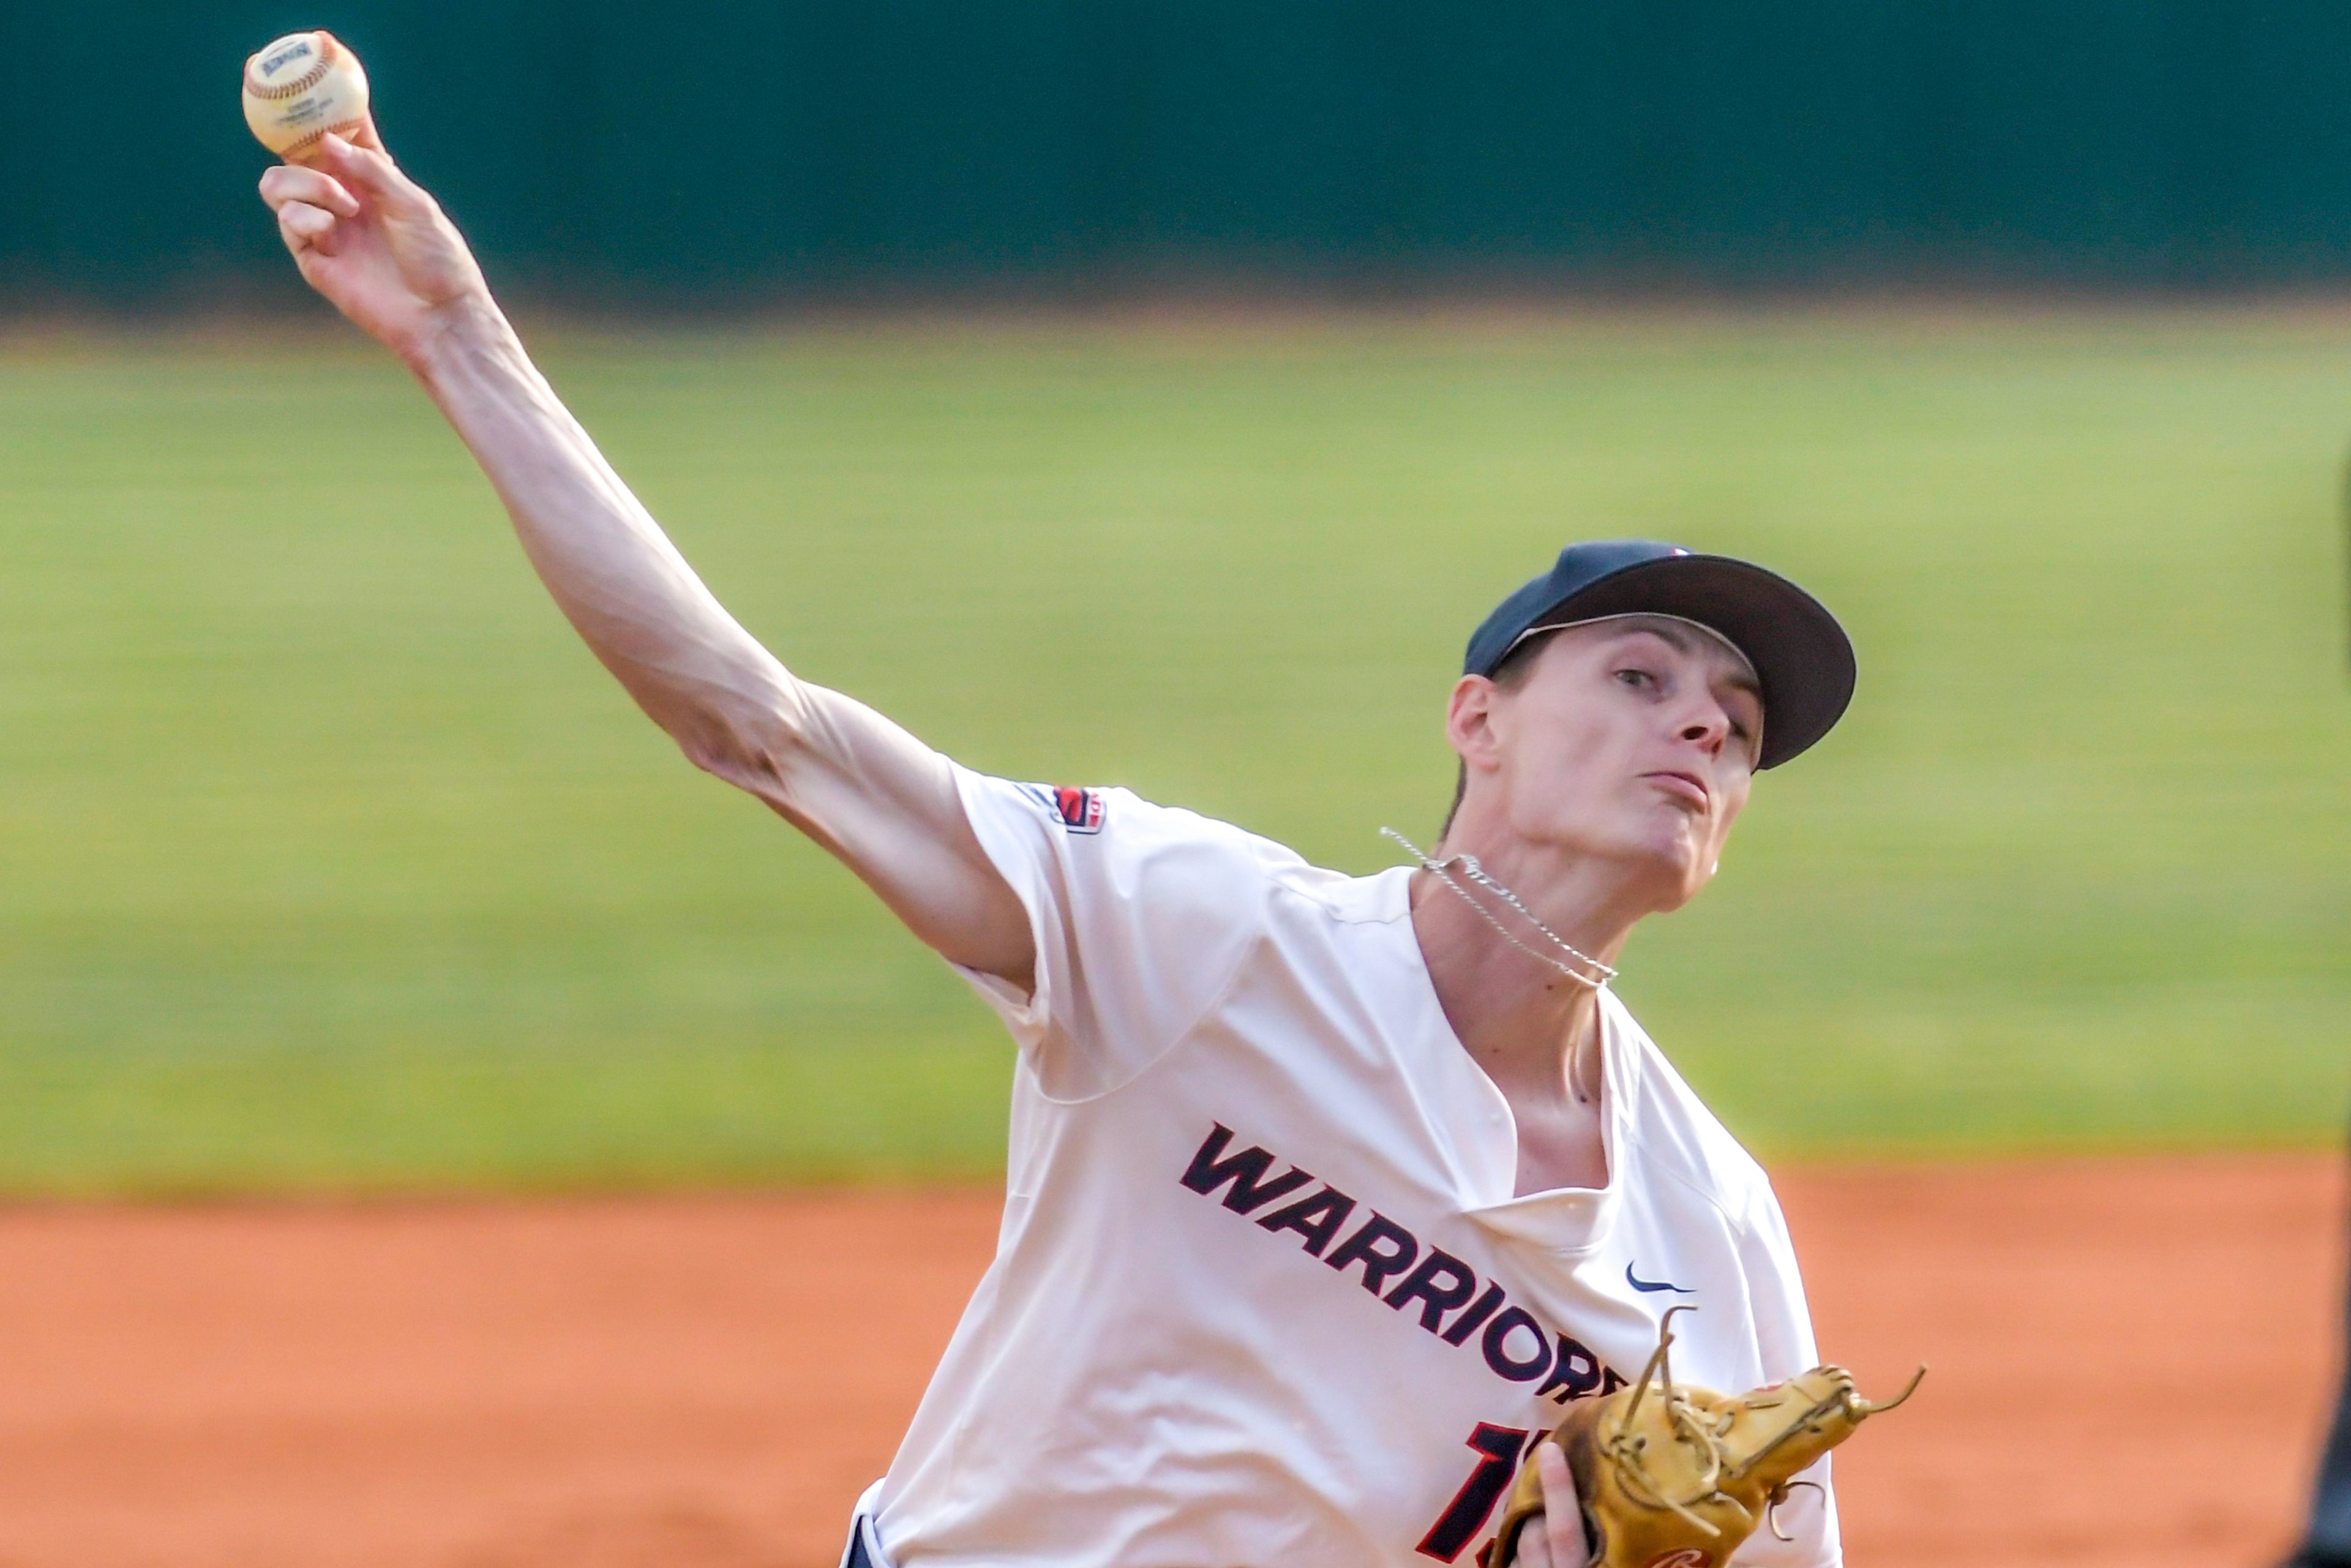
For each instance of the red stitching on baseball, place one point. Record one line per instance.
(303, 83)
(342, 128)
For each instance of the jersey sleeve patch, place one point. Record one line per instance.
(1078, 810)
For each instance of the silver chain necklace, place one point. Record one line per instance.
(1477, 874)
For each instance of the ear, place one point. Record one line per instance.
(1470, 722)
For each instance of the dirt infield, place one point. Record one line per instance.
(2128, 1368)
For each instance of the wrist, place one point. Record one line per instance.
(452, 331)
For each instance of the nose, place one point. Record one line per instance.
(1707, 727)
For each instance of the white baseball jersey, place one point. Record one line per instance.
(1263, 1293)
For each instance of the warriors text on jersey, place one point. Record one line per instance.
(1263, 1293)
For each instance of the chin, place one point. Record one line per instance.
(1676, 866)
(1680, 891)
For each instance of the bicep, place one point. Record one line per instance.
(886, 806)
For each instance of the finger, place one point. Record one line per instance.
(1534, 1546)
(305, 227)
(1562, 1516)
(1558, 1480)
(285, 183)
(364, 169)
(296, 246)
(367, 135)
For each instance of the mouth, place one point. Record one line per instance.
(1684, 787)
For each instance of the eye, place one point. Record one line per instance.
(1639, 680)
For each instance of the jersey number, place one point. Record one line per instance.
(1466, 1515)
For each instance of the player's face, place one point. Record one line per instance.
(1634, 740)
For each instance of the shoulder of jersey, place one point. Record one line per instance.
(1171, 836)
(1089, 809)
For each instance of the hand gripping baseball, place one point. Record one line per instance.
(373, 242)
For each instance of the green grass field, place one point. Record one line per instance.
(328, 859)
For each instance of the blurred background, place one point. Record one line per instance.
(1123, 395)
(1157, 396)
(705, 153)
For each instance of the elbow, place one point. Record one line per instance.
(756, 754)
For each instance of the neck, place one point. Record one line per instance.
(1534, 1030)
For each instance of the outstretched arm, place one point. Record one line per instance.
(378, 247)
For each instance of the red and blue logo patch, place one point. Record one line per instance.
(1080, 810)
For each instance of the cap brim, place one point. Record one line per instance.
(1800, 655)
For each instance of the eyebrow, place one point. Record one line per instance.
(1680, 640)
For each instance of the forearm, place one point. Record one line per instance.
(372, 241)
(726, 700)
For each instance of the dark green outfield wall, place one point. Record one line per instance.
(700, 149)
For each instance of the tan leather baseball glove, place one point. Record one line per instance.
(1673, 1476)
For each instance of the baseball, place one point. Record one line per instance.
(301, 87)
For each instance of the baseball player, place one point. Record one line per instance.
(1326, 1194)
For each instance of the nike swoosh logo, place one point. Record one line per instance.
(1650, 1286)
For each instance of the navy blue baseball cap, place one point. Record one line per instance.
(1802, 657)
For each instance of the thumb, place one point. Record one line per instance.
(1563, 1520)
